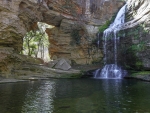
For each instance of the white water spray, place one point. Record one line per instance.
(112, 70)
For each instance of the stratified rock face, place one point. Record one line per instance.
(63, 45)
(12, 29)
(95, 12)
(62, 42)
(15, 18)
(20, 16)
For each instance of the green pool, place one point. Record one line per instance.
(76, 96)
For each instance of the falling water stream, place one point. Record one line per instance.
(112, 70)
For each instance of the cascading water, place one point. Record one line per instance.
(112, 70)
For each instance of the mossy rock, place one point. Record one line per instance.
(140, 73)
(74, 75)
(105, 26)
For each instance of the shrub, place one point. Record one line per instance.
(105, 26)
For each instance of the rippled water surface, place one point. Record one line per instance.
(75, 96)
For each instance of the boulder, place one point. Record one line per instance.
(51, 64)
(62, 64)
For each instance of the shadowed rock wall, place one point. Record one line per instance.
(134, 45)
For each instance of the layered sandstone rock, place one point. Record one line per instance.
(61, 39)
(20, 16)
(62, 44)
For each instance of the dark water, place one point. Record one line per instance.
(75, 96)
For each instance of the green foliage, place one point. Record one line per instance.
(105, 26)
(108, 22)
(76, 38)
(135, 63)
(135, 33)
(138, 47)
(35, 41)
(140, 73)
(139, 65)
(136, 40)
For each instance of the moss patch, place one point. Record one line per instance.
(133, 47)
(75, 75)
(105, 26)
(141, 73)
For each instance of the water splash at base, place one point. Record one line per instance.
(110, 71)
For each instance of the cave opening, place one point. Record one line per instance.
(36, 42)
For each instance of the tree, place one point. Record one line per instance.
(35, 42)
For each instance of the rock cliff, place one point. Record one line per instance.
(73, 38)
(20, 16)
(133, 48)
(137, 32)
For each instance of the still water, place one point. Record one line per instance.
(75, 96)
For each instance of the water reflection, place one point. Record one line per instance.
(113, 94)
(40, 100)
(75, 96)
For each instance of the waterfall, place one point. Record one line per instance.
(112, 70)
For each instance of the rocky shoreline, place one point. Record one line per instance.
(139, 77)
(32, 72)
(38, 72)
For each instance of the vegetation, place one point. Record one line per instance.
(138, 33)
(135, 43)
(140, 73)
(105, 26)
(75, 75)
(138, 47)
(36, 42)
